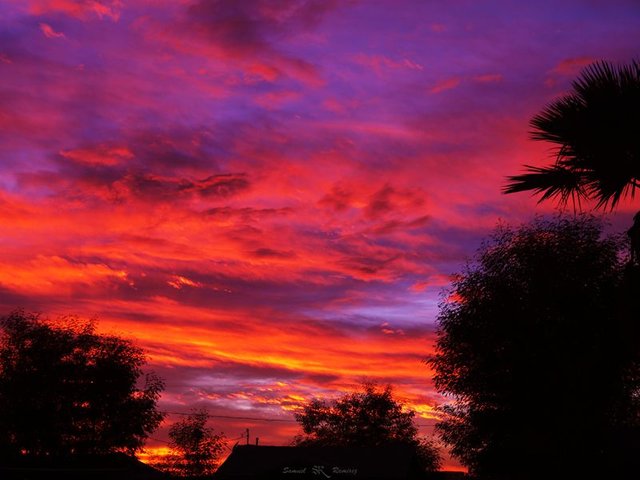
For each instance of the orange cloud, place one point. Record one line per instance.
(54, 274)
(179, 282)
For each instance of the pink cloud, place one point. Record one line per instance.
(444, 85)
(488, 78)
(49, 32)
(436, 281)
(380, 63)
(273, 100)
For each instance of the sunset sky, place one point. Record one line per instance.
(270, 196)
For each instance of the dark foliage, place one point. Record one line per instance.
(538, 350)
(112, 466)
(371, 418)
(595, 129)
(197, 448)
(67, 390)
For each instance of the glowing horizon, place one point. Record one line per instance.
(271, 197)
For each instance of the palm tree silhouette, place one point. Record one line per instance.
(596, 131)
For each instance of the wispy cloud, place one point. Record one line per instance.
(49, 32)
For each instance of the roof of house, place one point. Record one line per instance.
(320, 463)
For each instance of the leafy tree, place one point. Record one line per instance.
(65, 389)
(369, 418)
(595, 129)
(198, 448)
(538, 351)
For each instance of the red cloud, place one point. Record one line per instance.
(571, 66)
(81, 9)
(105, 155)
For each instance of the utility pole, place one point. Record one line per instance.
(247, 436)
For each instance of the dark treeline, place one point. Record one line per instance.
(70, 399)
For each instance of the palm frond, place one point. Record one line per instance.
(610, 189)
(554, 182)
(557, 120)
(595, 129)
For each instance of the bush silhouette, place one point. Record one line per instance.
(538, 349)
(370, 418)
(67, 390)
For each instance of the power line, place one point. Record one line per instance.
(227, 440)
(159, 440)
(264, 419)
(233, 417)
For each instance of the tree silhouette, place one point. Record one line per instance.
(198, 448)
(595, 130)
(538, 350)
(370, 418)
(67, 390)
